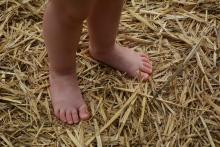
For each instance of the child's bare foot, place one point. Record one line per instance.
(126, 60)
(67, 100)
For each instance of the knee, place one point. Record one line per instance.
(72, 11)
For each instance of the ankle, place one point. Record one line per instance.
(101, 51)
(54, 73)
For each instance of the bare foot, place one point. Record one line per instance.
(67, 100)
(126, 60)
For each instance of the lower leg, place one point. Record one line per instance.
(103, 26)
(61, 41)
(62, 34)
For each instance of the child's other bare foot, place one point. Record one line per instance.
(126, 60)
(67, 100)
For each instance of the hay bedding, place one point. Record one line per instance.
(180, 106)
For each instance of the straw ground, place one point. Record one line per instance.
(179, 106)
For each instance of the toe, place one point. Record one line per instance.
(146, 60)
(84, 113)
(146, 67)
(75, 116)
(57, 113)
(63, 115)
(145, 56)
(69, 117)
(144, 76)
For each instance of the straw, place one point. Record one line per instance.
(178, 106)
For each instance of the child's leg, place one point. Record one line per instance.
(62, 28)
(103, 24)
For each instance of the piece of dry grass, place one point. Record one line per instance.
(179, 106)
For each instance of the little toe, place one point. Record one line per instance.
(145, 56)
(75, 116)
(69, 117)
(57, 113)
(84, 113)
(63, 115)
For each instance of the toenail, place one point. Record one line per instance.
(70, 122)
(76, 122)
(63, 121)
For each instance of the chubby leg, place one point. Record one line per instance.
(62, 27)
(103, 26)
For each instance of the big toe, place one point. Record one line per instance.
(145, 69)
(84, 113)
(146, 65)
(143, 76)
